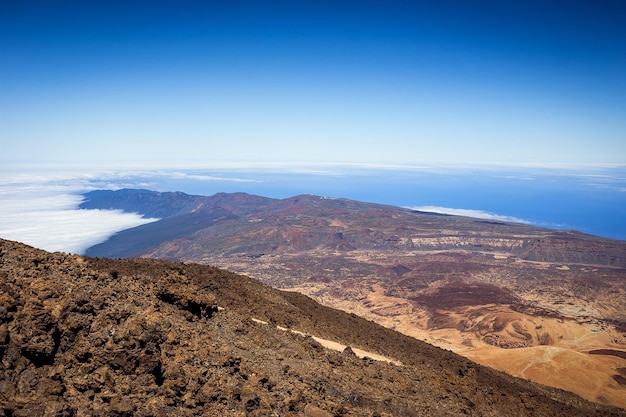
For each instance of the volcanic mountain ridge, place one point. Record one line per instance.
(537, 303)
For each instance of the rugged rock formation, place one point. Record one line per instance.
(88, 336)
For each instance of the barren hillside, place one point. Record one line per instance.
(82, 336)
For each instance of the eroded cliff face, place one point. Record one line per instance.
(82, 337)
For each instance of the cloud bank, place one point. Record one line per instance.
(478, 214)
(42, 211)
(53, 223)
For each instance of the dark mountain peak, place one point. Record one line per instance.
(303, 198)
(145, 202)
(236, 195)
(319, 205)
(168, 204)
(240, 203)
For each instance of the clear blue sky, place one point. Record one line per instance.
(313, 81)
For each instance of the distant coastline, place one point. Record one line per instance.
(42, 209)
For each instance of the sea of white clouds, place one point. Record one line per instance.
(49, 218)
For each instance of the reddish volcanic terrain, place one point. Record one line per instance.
(141, 337)
(541, 304)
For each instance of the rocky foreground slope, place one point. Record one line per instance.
(87, 336)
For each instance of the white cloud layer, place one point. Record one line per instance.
(478, 214)
(46, 216)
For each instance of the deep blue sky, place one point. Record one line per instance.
(123, 82)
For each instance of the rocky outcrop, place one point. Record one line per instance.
(96, 337)
(574, 248)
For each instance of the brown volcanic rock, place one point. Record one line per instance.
(83, 336)
(573, 247)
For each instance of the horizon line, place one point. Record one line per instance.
(300, 166)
